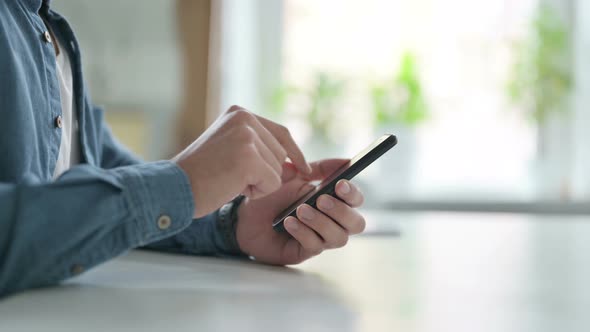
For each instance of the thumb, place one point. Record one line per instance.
(289, 172)
(323, 168)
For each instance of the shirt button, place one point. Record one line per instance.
(47, 36)
(77, 269)
(164, 222)
(58, 121)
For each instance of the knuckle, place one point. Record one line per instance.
(283, 131)
(361, 197)
(278, 179)
(241, 115)
(234, 108)
(342, 242)
(295, 261)
(314, 251)
(338, 242)
(246, 135)
(280, 154)
(359, 225)
(361, 200)
(248, 153)
(276, 182)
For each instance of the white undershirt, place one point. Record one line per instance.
(69, 149)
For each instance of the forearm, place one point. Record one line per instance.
(89, 215)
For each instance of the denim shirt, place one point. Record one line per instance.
(112, 202)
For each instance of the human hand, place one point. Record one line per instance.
(328, 227)
(240, 153)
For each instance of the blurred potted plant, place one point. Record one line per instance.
(540, 84)
(541, 77)
(400, 101)
(320, 104)
(324, 98)
(399, 106)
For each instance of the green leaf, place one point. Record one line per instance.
(541, 78)
(401, 100)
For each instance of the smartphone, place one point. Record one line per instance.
(347, 171)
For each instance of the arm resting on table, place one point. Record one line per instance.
(89, 215)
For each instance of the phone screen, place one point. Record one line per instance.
(346, 171)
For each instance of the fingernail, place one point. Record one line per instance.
(306, 212)
(344, 187)
(325, 203)
(291, 224)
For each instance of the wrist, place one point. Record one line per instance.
(202, 205)
(227, 226)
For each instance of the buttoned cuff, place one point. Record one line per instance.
(213, 234)
(160, 198)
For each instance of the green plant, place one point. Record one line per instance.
(279, 100)
(322, 98)
(541, 75)
(400, 100)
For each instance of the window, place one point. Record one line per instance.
(475, 144)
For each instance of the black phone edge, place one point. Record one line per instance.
(350, 173)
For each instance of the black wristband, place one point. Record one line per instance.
(227, 223)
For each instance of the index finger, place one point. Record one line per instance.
(286, 140)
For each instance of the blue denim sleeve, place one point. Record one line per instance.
(201, 237)
(50, 232)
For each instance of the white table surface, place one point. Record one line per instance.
(447, 272)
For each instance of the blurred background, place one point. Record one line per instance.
(488, 98)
